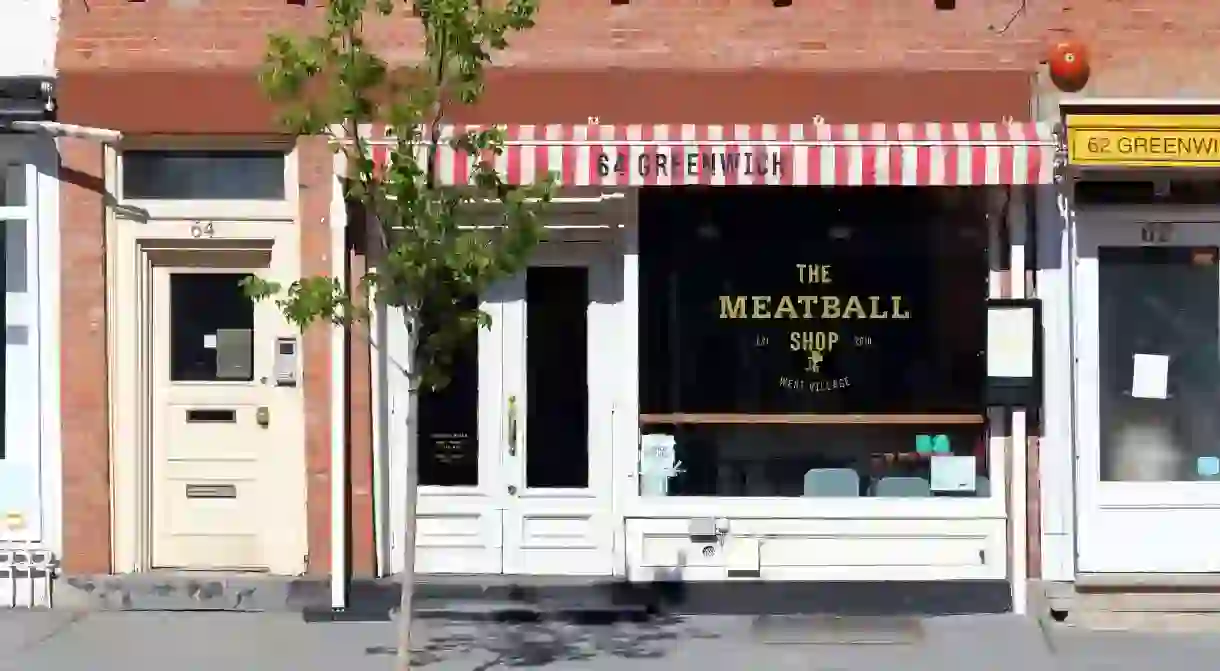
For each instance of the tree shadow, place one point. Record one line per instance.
(532, 644)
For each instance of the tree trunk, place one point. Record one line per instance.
(410, 492)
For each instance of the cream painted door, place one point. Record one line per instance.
(228, 488)
(559, 335)
(1147, 320)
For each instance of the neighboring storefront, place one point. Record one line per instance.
(1140, 202)
(29, 453)
(751, 352)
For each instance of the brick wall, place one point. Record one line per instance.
(588, 33)
(1146, 49)
(86, 460)
(1139, 47)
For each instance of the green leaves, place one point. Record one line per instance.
(432, 247)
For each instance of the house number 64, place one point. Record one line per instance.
(202, 229)
(1157, 232)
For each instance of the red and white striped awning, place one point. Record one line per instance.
(909, 154)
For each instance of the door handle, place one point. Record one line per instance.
(512, 426)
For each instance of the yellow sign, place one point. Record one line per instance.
(1169, 141)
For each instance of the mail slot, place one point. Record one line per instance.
(211, 416)
(211, 491)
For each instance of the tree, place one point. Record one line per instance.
(425, 255)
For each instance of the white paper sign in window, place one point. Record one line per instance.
(1150, 376)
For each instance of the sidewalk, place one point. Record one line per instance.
(54, 641)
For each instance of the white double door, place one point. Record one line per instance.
(1147, 345)
(515, 454)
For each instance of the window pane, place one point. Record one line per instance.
(204, 175)
(12, 185)
(16, 265)
(851, 300)
(557, 386)
(766, 302)
(8, 339)
(211, 328)
(817, 461)
(1165, 302)
(449, 421)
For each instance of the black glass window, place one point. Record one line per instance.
(767, 312)
(204, 175)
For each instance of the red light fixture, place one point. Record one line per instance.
(1068, 63)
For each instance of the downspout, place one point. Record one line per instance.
(378, 358)
(1018, 234)
(1065, 205)
(338, 383)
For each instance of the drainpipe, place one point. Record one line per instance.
(338, 386)
(1019, 233)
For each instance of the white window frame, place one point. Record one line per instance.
(630, 503)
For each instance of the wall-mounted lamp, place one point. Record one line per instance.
(945, 4)
(781, 3)
(619, 2)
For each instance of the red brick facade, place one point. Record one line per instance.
(169, 67)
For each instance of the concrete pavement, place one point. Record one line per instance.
(110, 641)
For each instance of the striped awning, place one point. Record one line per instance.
(910, 154)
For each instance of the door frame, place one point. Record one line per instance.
(599, 253)
(1117, 226)
(141, 234)
(571, 212)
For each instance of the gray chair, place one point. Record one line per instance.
(982, 487)
(826, 482)
(903, 486)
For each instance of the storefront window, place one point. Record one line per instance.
(813, 342)
(1157, 306)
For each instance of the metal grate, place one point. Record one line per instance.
(838, 630)
(25, 577)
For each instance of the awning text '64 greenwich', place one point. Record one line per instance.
(679, 162)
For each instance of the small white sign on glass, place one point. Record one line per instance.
(658, 463)
(1150, 376)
